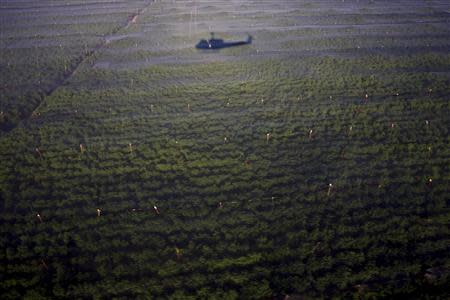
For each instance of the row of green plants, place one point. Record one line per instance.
(40, 49)
(251, 217)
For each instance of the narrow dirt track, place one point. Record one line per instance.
(85, 57)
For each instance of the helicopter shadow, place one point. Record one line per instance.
(217, 44)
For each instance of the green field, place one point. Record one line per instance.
(313, 163)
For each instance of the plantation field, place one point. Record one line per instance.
(312, 163)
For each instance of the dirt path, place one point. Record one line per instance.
(84, 58)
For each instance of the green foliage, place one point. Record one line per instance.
(122, 127)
